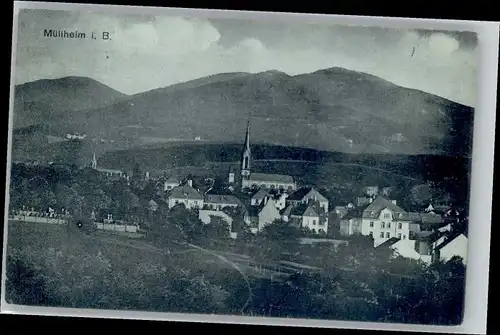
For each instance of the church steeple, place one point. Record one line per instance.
(246, 157)
(94, 162)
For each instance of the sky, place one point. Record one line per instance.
(147, 52)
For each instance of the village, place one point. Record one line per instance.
(249, 201)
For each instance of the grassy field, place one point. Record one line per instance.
(72, 269)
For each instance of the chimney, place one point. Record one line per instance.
(190, 182)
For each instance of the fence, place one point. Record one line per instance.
(37, 219)
(117, 227)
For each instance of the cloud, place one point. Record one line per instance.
(443, 44)
(146, 52)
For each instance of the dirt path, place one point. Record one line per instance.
(233, 265)
(148, 247)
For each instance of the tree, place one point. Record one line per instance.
(280, 230)
(100, 200)
(187, 220)
(217, 229)
(421, 195)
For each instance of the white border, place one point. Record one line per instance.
(475, 312)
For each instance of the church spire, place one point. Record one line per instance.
(246, 156)
(247, 137)
(94, 161)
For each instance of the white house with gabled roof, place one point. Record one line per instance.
(187, 195)
(451, 246)
(384, 219)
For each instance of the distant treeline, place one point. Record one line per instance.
(426, 167)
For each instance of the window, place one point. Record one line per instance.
(196, 202)
(371, 224)
(399, 235)
(387, 235)
(400, 225)
(404, 237)
(314, 222)
(387, 216)
(371, 233)
(388, 225)
(246, 163)
(383, 225)
(381, 235)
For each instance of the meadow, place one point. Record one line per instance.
(52, 265)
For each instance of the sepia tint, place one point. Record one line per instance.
(240, 167)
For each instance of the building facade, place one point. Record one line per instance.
(187, 195)
(383, 219)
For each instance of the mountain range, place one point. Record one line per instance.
(332, 109)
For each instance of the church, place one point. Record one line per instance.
(253, 179)
(107, 172)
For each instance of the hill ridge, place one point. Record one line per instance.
(349, 112)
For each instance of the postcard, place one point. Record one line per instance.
(246, 167)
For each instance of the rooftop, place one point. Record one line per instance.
(222, 199)
(260, 194)
(302, 192)
(373, 210)
(268, 177)
(389, 242)
(185, 192)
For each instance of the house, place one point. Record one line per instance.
(350, 223)
(451, 245)
(404, 248)
(424, 221)
(314, 218)
(264, 214)
(261, 196)
(251, 179)
(307, 194)
(185, 194)
(384, 219)
(311, 216)
(218, 201)
(170, 183)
